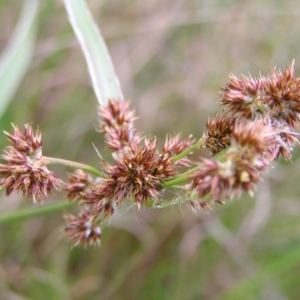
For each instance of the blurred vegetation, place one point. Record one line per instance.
(172, 57)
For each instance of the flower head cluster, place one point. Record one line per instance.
(276, 97)
(25, 170)
(258, 124)
(241, 165)
(79, 181)
(138, 170)
(217, 134)
(117, 124)
(83, 229)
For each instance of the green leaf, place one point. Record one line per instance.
(17, 55)
(105, 81)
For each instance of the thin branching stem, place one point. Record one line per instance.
(182, 178)
(186, 152)
(29, 213)
(73, 164)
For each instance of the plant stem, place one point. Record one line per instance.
(184, 176)
(220, 156)
(73, 164)
(35, 212)
(193, 148)
(180, 178)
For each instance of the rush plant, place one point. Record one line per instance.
(257, 124)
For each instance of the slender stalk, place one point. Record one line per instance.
(35, 212)
(73, 164)
(193, 148)
(182, 178)
(220, 155)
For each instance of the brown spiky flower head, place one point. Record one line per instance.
(117, 124)
(283, 96)
(79, 181)
(245, 97)
(138, 172)
(25, 170)
(276, 96)
(239, 169)
(83, 229)
(217, 134)
(139, 169)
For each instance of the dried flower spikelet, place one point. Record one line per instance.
(138, 172)
(117, 139)
(266, 138)
(27, 142)
(283, 96)
(84, 229)
(175, 145)
(256, 136)
(230, 177)
(200, 205)
(287, 140)
(214, 178)
(106, 207)
(245, 96)
(276, 96)
(251, 153)
(217, 134)
(98, 194)
(25, 170)
(117, 124)
(79, 181)
(116, 114)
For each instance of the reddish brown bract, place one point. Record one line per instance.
(138, 172)
(217, 134)
(25, 170)
(83, 229)
(117, 124)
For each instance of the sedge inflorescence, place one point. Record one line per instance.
(25, 170)
(258, 124)
(138, 168)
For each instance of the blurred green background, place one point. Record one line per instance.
(172, 57)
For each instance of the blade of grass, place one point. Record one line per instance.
(17, 55)
(253, 283)
(105, 81)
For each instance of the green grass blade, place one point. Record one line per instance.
(247, 286)
(17, 55)
(105, 81)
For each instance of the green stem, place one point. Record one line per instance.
(220, 156)
(193, 148)
(35, 212)
(73, 164)
(182, 178)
